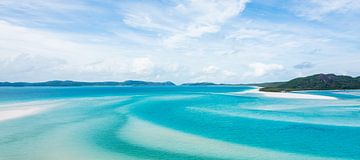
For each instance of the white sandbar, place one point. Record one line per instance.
(10, 111)
(17, 113)
(289, 95)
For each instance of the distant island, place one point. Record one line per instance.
(314, 82)
(199, 84)
(212, 84)
(68, 83)
(76, 83)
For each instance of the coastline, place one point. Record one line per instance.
(288, 95)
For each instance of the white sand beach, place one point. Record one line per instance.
(289, 95)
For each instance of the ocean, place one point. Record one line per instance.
(182, 122)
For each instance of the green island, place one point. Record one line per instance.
(314, 82)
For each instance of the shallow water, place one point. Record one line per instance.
(177, 123)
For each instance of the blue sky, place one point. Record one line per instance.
(227, 41)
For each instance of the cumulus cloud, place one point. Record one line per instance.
(142, 66)
(212, 73)
(217, 71)
(32, 54)
(181, 41)
(29, 63)
(261, 69)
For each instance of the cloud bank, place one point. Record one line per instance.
(235, 41)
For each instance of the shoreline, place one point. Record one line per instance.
(288, 95)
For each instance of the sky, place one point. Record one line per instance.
(222, 41)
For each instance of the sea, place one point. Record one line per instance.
(176, 123)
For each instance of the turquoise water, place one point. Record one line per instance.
(87, 123)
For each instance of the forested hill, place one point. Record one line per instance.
(316, 82)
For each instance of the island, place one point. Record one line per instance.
(313, 82)
(200, 84)
(146, 83)
(67, 83)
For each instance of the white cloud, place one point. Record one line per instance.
(16, 66)
(318, 9)
(261, 69)
(211, 69)
(40, 5)
(180, 41)
(212, 73)
(247, 33)
(36, 55)
(198, 17)
(208, 16)
(45, 12)
(142, 66)
(228, 73)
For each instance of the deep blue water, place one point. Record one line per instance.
(176, 123)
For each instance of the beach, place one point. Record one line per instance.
(289, 95)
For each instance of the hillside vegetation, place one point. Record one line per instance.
(316, 82)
